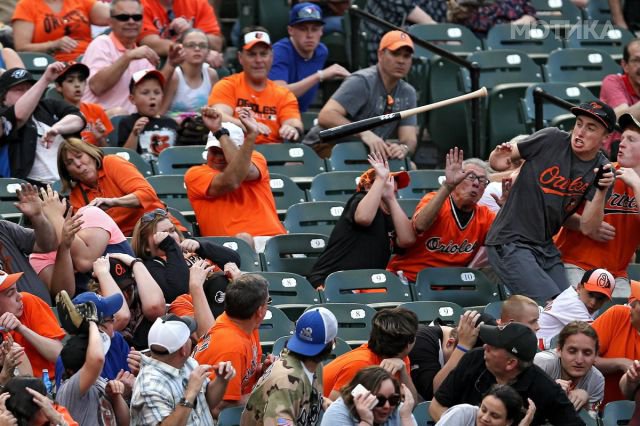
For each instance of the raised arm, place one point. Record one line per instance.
(202, 312)
(503, 155)
(107, 77)
(108, 287)
(31, 207)
(26, 105)
(370, 203)
(94, 360)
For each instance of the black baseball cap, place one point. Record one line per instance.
(599, 111)
(74, 67)
(515, 338)
(627, 120)
(121, 274)
(13, 77)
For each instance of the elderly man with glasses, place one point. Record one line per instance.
(113, 58)
(450, 225)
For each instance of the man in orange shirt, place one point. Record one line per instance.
(618, 331)
(614, 243)
(231, 194)
(450, 225)
(393, 334)
(276, 107)
(31, 323)
(234, 337)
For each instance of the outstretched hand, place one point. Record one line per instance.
(28, 200)
(453, 169)
(211, 118)
(380, 165)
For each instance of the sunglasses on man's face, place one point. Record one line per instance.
(123, 17)
(393, 400)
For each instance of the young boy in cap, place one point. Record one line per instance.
(576, 304)
(146, 131)
(71, 84)
(290, 391)
(298, 59)
(371, 222)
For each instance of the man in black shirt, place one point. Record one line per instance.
(507, 358)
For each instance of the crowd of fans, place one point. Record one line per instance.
(112, 313)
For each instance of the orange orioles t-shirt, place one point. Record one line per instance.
(446, 242)
(92, 114)
(273, 105)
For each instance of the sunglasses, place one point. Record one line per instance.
(123, 17)
(149, 216)
(393, 400)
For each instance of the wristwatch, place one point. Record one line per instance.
(186, 403)
(220, 132)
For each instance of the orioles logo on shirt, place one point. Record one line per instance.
(434, 244)
(554, 183)
(621, 204)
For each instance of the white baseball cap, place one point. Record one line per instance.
(171, 332)
(235, 133)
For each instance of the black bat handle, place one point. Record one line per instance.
(357, 127)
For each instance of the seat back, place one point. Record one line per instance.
(570, 92)
(375, 287)
(285, 192)
(599, 10)
(354, 321)
(131, 156)
(536, 41)
(333, 186)
(557, 13)
(504, 66)
(230, 416)
(428, 311)
(318, 217)
(465, 286)
(296, 253)
(274, 16)
(409, 205)
(36, 62)
(297, 161)
(176, 160)
(604, 37)
(248, 257)
(421, 414)
(112, 138)
(352, 156)
(494, 309)
(421, 183)
(172, 191)
(8, 196)
(291, 293)
(455, 38)
(579, 65)
(274, 325)
(617, 413)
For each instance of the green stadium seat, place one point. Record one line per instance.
(421, 414)
(409, 205)
(333, 186)
(422, 182)
(317, 217)
(298, 161)
(617, 413)
(570, 92)
(296, 253)
(274, 325)
(131, 156)
(285, 192)
(455, 38)
(248, 257)
(176, 160)
(8, 196)
(354, 321)
(604, 37)
(36, 62)
(536, 41)
(428, 311)
(352, 156)
(172, 191)
(465, 286)
(356, 286)
(291, 293)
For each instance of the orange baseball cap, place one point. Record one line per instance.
(255, 37)
(7, 280)
(635, 291)
(367, 178)
(600, 281)
(394, 40)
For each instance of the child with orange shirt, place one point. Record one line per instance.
(71, 85)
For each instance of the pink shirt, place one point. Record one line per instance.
(103, 51)
(614, 93)
(92, 217)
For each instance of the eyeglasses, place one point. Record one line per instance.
(483, 181)
(201, 46)
(149, 216)
(123, 17)
(393, 400)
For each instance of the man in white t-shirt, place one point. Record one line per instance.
(576, 304)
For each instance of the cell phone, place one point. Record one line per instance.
(599, 175)
(359, 389)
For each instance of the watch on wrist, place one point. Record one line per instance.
(222, 131)
(186, 403)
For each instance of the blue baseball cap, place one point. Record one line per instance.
(314, 330)
(305, 12)
(106, 306)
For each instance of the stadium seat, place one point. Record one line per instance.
(295, 253)
(36, 62)
(191, 227)
(8, 188)
(317, 217)
(536, 41)
(577, 65)
(352, 156)
(598, 10)
(465, 286)
(341, 347)
(455, 38)
(494, 309)
(503, 102)
(570, 92)
(421, 414)
(176, 160)
(285, 192)
(309, 119)
(354, 321)
(274, 325)
(291, 293)
(52, 93)
(274, 16)
(337, 44)
(230, 416)
(633, 270)
(604, 37)
(409, 205)
(617, 413)
(421, 183)
(428, 311)
(248, 257)
(297, 161)
(172, 191)
(333, 186)
(377, 288)
(112, 138)
(131, 156)
(588, 419)
(558, 14)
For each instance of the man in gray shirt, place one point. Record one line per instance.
(370, 92)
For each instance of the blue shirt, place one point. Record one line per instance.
(289, 66)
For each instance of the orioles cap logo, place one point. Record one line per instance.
(603, 281)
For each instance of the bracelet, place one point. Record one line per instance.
(320, 75)
(134, 261)
(462, 348)
(405, 146)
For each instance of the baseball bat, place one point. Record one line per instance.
(369, 123)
